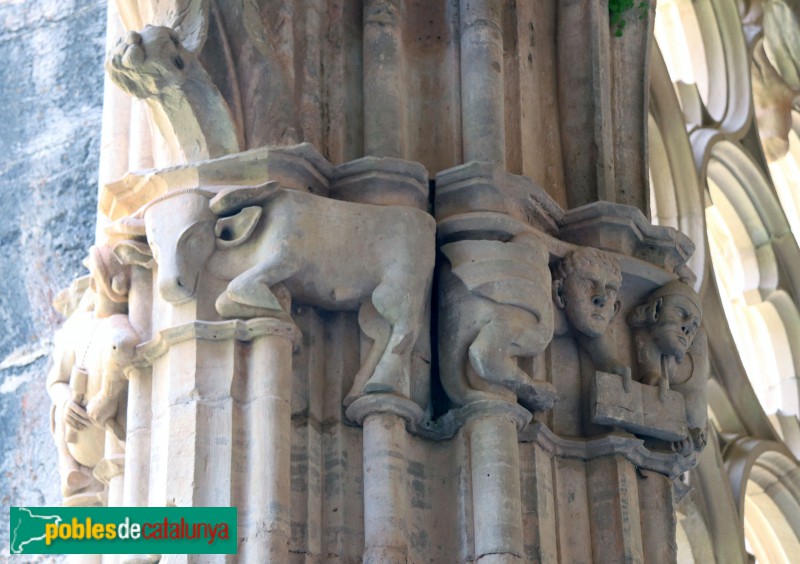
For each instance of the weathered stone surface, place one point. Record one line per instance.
(639, 410)
(88, 383)
(52, 84)
(586, 284)
(231, 407)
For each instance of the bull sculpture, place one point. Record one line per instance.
(271, 241)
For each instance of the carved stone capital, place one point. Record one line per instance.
(625, 230)
(370, 404)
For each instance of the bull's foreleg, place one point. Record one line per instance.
(493, 356)
(229, 309)
(252, 287)
(403, 313)
(378, 329)
(493, 350)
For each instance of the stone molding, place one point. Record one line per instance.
(631, 448)
(243, 330)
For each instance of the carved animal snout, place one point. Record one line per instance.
(123, 343)
(133, 38)
(176, 290)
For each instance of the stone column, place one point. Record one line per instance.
(602, 106)
(384, 418)
(496, 496)
(136, 485)
(264, 503)
(482, 88)
(384, 96)
(221, 426)
(617, 529)
(658, 520)
(137, 444)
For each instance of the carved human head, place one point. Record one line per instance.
(585, 285)
(671, 316)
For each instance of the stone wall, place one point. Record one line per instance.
(51, 72)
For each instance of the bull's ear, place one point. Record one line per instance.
(134, 252)
(235, 230)
(229, 200)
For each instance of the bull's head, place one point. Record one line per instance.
(185, 227)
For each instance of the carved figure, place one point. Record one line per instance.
(494, 309)
(672, 351)
(87, 380)
(327, 253)
(243, 106)
(154, 65)
(586, 284)
(772, 101)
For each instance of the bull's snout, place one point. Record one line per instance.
(123, 345)
(176, 290)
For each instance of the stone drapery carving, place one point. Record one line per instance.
(87, 382)
(586, 283)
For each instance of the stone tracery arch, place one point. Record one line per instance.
(752, 256)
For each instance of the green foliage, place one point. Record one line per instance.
(618, 8)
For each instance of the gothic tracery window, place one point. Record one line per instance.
(731, 92)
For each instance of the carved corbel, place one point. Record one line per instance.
(672, 352)
(494, 309)
(586, 284)
(188, 109)
(87, 383)
(277, 246)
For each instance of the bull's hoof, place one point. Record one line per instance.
(229, 309)
(537, 395)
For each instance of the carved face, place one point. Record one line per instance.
(149, 62)
(590, 299)
(180, 231)
(676, 322)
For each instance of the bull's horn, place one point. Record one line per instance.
(128, 226)
(235, 198)
(134, 252)
(105, 272)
